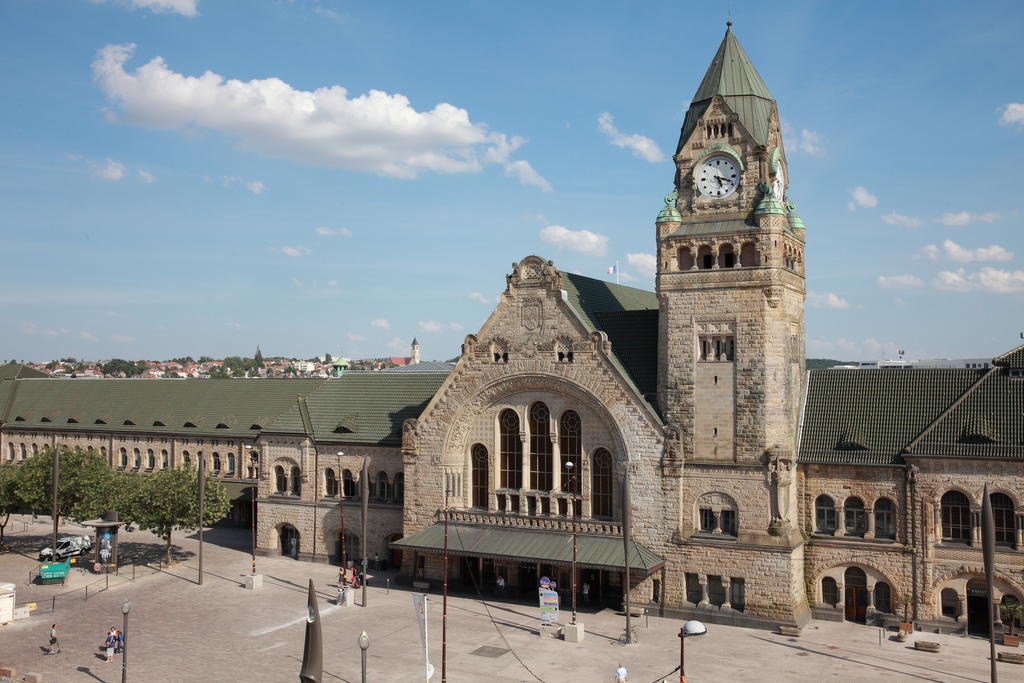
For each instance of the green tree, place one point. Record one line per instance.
(168, 500)
(10, 499)
(119, 365)
(86, 485)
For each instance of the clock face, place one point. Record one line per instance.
(779, 184)
(718, 177)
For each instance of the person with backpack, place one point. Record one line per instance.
(109, 644)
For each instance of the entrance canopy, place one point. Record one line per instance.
(548, 547)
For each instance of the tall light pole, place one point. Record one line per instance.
(126, 607)
(627, 542)
(56, 480)
(202, 498)
(365, 489)
(341, 509)
(254, 457)
(690, 628)
(444, 587)
(574, 487)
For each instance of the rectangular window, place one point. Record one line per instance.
(716, 591)
(502, 498)
(738, 599)
(707, 520)
(825, 520)
(693, 589)
(729, 522)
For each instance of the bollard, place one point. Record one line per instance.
(133, 571)
(87, 594)
(388, 588)
(53, 603)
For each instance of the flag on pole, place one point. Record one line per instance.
(612, 270)
(419, 602)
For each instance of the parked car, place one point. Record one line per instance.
(67, 546)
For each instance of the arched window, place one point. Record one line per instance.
(511, 451)
(216, 462)
(331, 481)
(383, 487)
(950, 603)
(956, 518)
(11, 453)
(150, 459)
(103, 452)
(371, 486)
(705, 259)
(185, 458)
(164, 459)
(1005, 519)
(399, 493)
(747, 254)
(296, 481)
(136, 458)
(684, 258)
(885, 518)
(478, 454)
(280, 480)
(231, 464)
(883, 597)
(348, 484)
(716, 514)
(24, 452)
(829, 591)
(123, 455)
(855, 522)
(35, 449)
(726, 256)
(570, 447)
(824, 515)
(540, 448)
(601, 484)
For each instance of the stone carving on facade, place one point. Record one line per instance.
(534, 270)
(532, 314)
(780, 479)
(772, 295)
(409, 436)
(672, 452)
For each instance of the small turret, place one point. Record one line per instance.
(415, 352)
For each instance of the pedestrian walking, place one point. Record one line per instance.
(621, 675)
(586, 594)
(54, 643)
(120, 641)
(109, 644)
(501, 584)
(376, 561)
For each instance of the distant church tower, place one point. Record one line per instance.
(415, 352)
(731, 289)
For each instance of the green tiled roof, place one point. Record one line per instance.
(19, 371)
(733, 76)
(629, 316)
(715, 227)
(988, 423)
(550, 547)
(870, 416)
(155, 406)
(364, 408)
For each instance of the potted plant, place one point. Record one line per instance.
(1011, 611)
(906, 626)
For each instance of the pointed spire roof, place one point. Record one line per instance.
(414, 342)
(732, 76)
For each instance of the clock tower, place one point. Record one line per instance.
(731, 289)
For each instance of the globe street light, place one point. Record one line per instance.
(126, 607)
(254, 457)
(690, 628)
(364, 645)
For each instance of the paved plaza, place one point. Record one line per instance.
(179, 631)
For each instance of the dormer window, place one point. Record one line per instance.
(563, 351)
(499, 351)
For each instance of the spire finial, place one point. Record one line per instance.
(728, 21)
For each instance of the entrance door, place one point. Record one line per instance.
(977, 608)
(856, 595)
(289, 541)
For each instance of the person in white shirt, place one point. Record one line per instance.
(621, 675)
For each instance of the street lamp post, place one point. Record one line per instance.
(444, 586)
(202, 498)
(690, 628)
(126, 607)
(364, 645)
(254, 457)
(365, 489)
(341, 509)
(574, 488)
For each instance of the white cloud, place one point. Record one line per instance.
(987, 279)
(431, 326)
(297, 282)
(826, 300)
(331, 283)
(480, 298)
(626, 277)
(351, 336)
(583, 241)
(898, 281)
(862, 199)
(186, 8)
(645, 264)
(332, 232)
(33, 328)
(377, 132)
(87, 336)
(121, 338)
(640, 145)
(399, 344)
(113, 314)
(146, 176)
(456, 327)
(954, 252)
(962, 218)
(803, 141)
(109, 170)
(1012, 114)
(899, 219)
(381, 323)
(254, 186)
(298, 250)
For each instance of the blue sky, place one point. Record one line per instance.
(349, 175)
